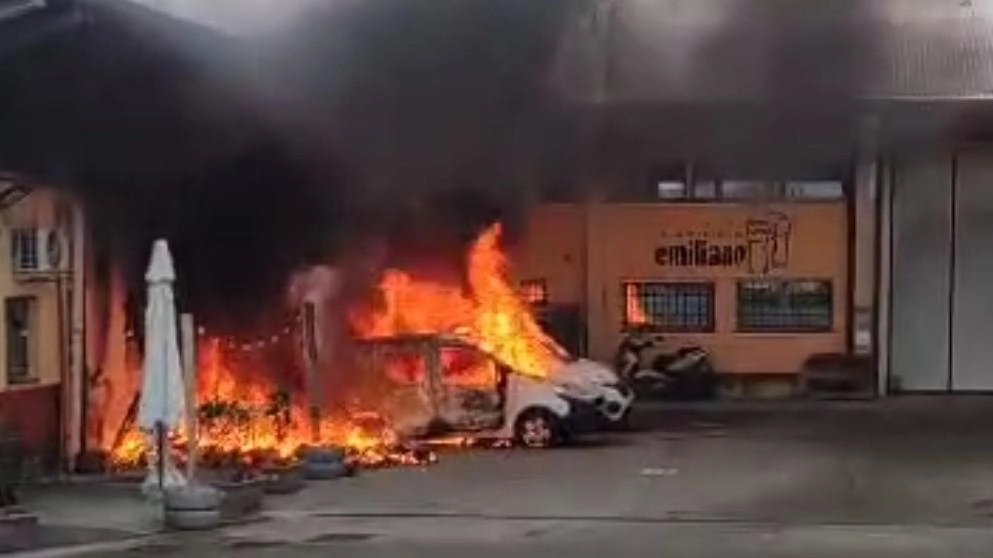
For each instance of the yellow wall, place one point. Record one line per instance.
(553, 251)
(622, 243)
(36, 210)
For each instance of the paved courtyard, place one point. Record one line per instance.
(909, 478)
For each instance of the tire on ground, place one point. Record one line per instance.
(552, 423)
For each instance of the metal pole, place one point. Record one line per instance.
(188, 332)
(69, 452)
(78, 388)
(311, 356)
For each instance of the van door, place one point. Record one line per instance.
(472, 395)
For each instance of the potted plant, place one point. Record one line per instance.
(283, 475)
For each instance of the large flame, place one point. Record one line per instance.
(248, 403)
(634, 312)
(244, 410)
(489, 313)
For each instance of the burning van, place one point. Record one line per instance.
(436, 385)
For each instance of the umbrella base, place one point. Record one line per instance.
(163, 474)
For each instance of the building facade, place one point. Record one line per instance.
(758, 272)
(35, 289)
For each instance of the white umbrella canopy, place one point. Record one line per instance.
(162, 402)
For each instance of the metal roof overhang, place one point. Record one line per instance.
(686, 74)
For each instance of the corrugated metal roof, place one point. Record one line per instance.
(732, 50)
(236, 17)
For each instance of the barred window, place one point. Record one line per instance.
(785, 305)
(20, 326)
(684, 307)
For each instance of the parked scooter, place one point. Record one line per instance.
(685, 374)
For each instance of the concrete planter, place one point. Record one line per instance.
(326, 471)
(18, 528)
(16, 523)
(241, 498)
(193, 508)
(285, 479)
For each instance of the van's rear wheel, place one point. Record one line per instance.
(538, 428)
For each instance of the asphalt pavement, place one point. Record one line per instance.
(909, 478)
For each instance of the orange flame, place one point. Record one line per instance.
(490, 314)
(236, 386)
(239, 414)
(634, 313)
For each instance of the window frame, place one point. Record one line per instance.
(29, 375)
(796, 183)
(740, 327)
(25, 253)
(709, 287)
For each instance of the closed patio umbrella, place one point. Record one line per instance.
(162, 405)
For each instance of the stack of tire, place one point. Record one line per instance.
(325, 463)
(193, 508)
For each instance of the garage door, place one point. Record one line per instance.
(942, 275)
(922, 240)
(972, 281)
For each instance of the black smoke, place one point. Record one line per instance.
(412, 123)
(776, 87)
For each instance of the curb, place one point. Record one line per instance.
(90, 548)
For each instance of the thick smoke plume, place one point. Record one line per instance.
(411, 124)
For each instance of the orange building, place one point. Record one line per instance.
(763, 282)
(36, 282)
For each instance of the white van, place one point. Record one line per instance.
(598, 383)
(436, 385)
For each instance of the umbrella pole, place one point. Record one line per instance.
(160, 453)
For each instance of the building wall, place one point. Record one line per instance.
(553, 251)
(620, 242)
(32, 406)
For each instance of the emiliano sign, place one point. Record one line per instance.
(761, 245)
